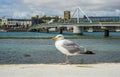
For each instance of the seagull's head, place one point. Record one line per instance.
(58, 37)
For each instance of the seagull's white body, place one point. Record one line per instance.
(60, 46)
(68, 47)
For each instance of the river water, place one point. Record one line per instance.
(51, 34)
(24, 51)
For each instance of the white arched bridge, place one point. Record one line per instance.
(105, 24)
(78, 28)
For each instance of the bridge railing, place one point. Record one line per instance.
(58, 24)
(110, 22)
(78, 23)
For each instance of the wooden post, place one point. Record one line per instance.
(106, 33)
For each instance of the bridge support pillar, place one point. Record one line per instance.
(61, 30)
(78, 30)
(56, 29)
(47, 30)
(106, 33)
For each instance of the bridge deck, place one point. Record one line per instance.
(91, 24)
(76, 24)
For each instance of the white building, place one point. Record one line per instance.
(16, 22)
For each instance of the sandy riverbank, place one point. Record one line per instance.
(60, 70)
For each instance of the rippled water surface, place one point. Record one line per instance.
(51, 34)
(19, 51)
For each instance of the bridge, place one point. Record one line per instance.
(104, 24)
(78, 27)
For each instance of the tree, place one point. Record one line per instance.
(56, 18)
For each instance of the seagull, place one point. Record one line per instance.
(69, 48)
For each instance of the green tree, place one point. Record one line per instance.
(56, 18)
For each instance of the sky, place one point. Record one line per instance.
(29, 8)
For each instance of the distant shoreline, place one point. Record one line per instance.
(68, 35)
(80, 37)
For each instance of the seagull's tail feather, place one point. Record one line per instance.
(89, 52)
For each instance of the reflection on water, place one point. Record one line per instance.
(18, 51)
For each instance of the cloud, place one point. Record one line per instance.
(21, 15)
(26, 8)
(98, 6)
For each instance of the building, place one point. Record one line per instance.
(97, 19)
(103, 18)
(23, 23)
(35, 20)
(66, 15)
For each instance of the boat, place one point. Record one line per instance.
(1, 30)
(90, 30)
(117, 30)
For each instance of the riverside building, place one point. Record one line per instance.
(66, 15)
(94, 19)
(97, 19)
(20, 23)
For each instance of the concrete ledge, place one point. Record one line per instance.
(60, 70)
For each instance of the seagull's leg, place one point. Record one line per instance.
(67, 59)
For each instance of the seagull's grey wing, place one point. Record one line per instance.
(73, 47)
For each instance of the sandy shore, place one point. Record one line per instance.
(60, 70)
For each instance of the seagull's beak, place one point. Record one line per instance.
(53, 38)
